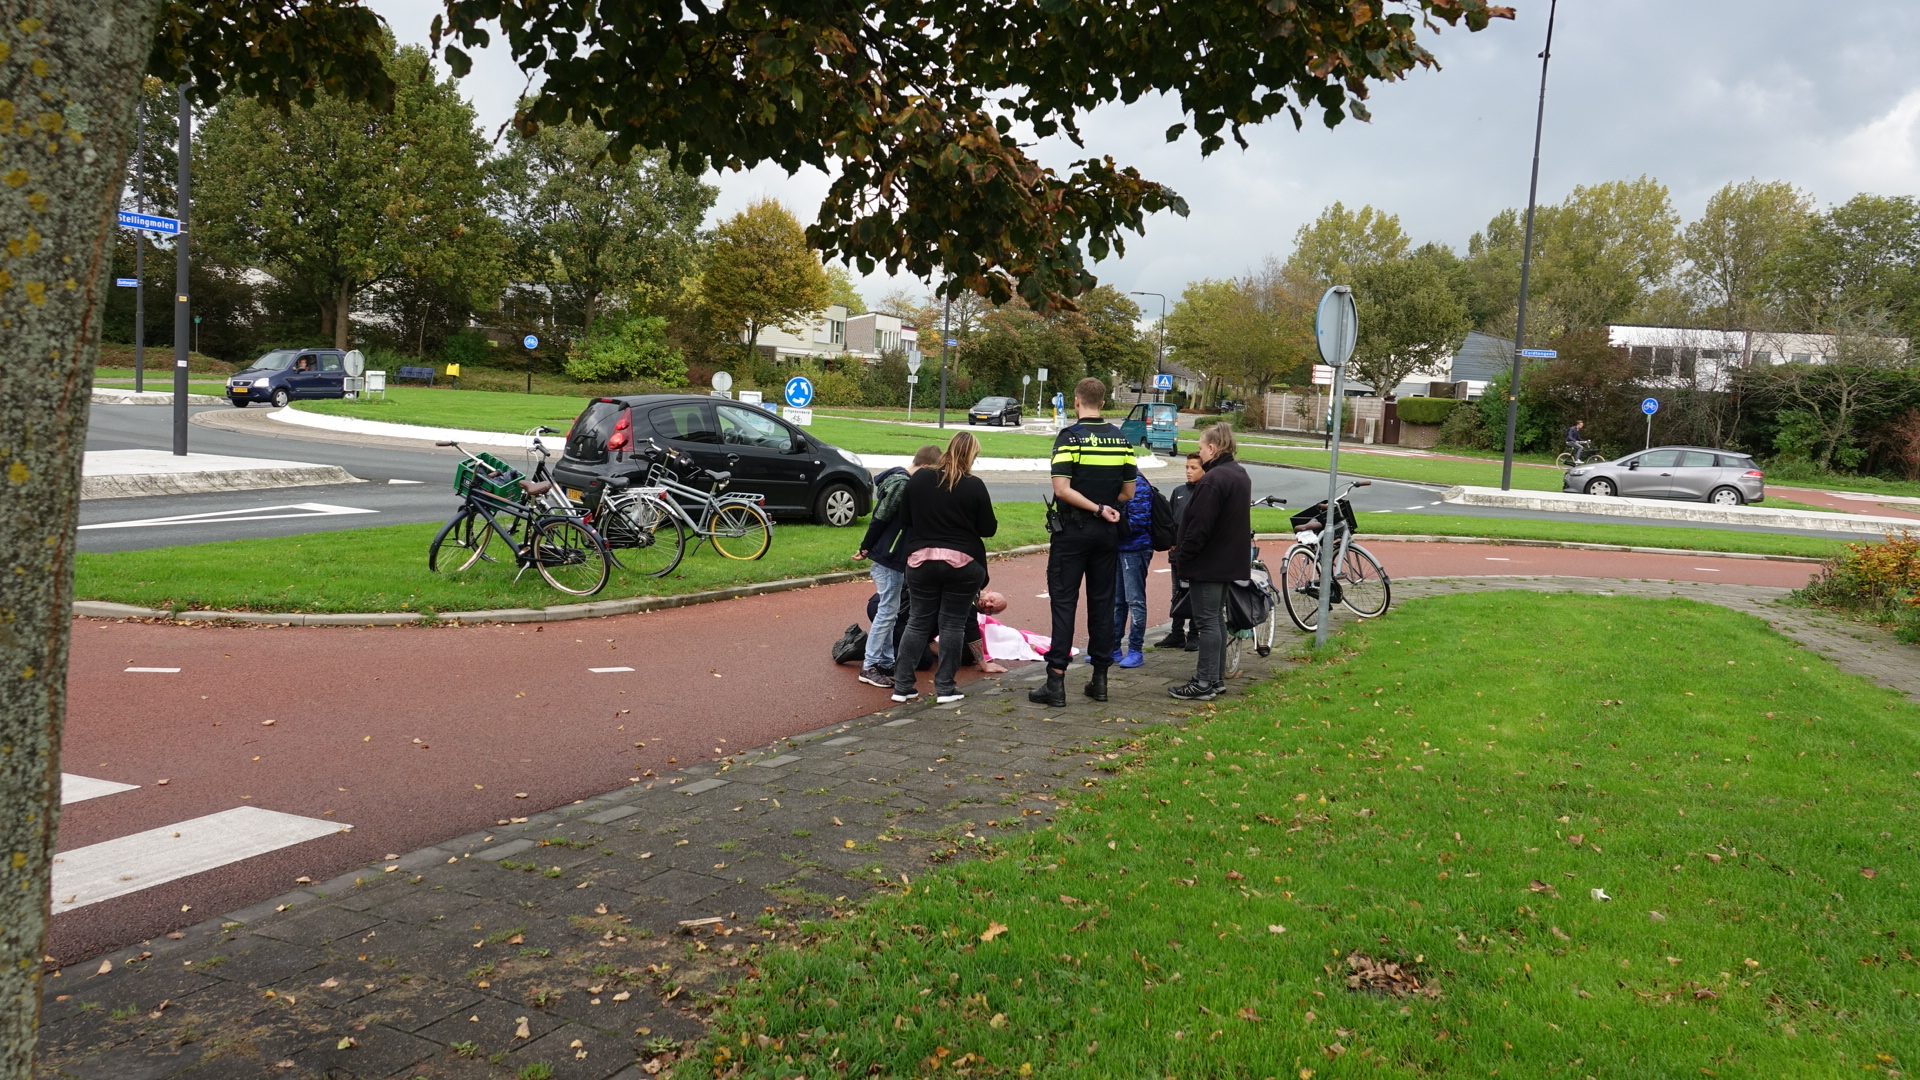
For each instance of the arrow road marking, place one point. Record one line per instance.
(264, 513)
(142, 860)
(75, 789)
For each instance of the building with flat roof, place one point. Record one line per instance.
(833, 333)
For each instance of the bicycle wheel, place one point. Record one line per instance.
(741, 531)
(1564, 461)
(1300, 586)
(571, 556)
(1364, 587)
(650, 540)
(1269, 627)
(461, 543)
(1230, 664)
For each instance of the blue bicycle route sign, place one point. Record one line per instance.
(799, 391)
(530, 341)
(1650, 406)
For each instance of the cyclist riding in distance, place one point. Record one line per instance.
(1577, 442)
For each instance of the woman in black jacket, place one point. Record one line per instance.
(1216, 547)
(946, 513)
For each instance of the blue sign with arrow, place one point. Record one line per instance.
(799, 392)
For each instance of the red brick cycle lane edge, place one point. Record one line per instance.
(412, 735)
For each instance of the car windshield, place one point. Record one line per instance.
(991, 403)
(277, 360)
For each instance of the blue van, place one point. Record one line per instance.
(1155, 424)
(285, 374)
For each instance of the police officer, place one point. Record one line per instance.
(1093, 474)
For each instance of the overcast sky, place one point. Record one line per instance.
(1696, 93)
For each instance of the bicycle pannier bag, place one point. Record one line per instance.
(852, 646)
(1248, 605)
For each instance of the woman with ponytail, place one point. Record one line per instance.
(946, 515)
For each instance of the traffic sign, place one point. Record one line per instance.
(1650, 406)
(127, 282)
(722, 381)
(951, 342)
(1026, 380)
(1540, 354)
(913, 364)
(530, 341)
(1043, 375)
(1336, 326)
(1163, 382)
(799, 393)
(802, 417)
(150, 222)
(355, 362)
(913, 380)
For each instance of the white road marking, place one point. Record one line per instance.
(406, 481)
(607, 670)
(157, 670)
(1496, 558)
(1708, 569)
(1164, 570)
(142, 860)
(216, 517)
(75, 788)
(1042, 596)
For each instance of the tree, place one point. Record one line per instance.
(760, 273)
(1731, 249)
(931, 176)
(840, 290)
(1820, 407)
(339, 198)
(1108, 324)
(1857, 258)
(1254, 331)
(1598, 255)
(594, 230)
(1410, 320)
(1340, 242)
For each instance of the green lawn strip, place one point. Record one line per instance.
(482, 411)
(1191, 915)
(1588, 533)
(1426, 470)
(385, 569)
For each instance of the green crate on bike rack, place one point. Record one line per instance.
(498, 478)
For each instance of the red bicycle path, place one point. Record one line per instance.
(412, 734)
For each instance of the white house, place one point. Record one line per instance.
(833, 333)
(1690, 356)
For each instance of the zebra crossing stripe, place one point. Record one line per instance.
(142, 860)
(75, 788)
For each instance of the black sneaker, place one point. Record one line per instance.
(1192, 645)
(1194, 690)
(1172, 641)
(874, 676)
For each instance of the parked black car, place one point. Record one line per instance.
(801, 476)
(285, 374)
(998, 411)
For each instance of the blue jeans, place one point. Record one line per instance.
(892, 587)
(1130, 598)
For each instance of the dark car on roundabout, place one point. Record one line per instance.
(1720, 477)
(998, 411)
(284, 375)
(801, 476)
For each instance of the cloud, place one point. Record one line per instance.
(1884, 155)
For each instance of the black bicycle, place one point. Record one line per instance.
(563, 547)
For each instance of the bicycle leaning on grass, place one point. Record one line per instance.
(648, 523)
(1359, 581)
(563, 547)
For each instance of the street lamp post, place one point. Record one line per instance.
(182, 306)
(1526, 262)
(1160, 347)
(140, 255)
(946, 343)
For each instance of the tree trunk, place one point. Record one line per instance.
(586, 319)
(342, 315)
(74, 74)
(327, 309)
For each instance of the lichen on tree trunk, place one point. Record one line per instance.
(69, 75)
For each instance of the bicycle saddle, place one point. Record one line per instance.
(719, 477)
(539, 488)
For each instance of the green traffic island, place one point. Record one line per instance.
(1678, 537)
(383, 570)
(1486, 835)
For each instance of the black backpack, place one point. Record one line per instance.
(852, 646)
(1164, 532)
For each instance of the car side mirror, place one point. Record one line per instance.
(1633, 464)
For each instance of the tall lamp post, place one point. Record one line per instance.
(182, 306)
(1160, 348)
(1526, 262)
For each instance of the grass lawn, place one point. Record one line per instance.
(1748, 808)
(1582, 532)
(385, 569)
(1421, 469)
(479, 410)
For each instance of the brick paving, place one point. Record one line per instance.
(592, 938)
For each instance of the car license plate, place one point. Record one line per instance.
(573, 493)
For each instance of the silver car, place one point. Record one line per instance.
(1673, 472)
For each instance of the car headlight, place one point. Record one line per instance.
(1576, 472)
(261, 382)
(854, 459)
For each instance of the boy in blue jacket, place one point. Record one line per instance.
(884, 544)
(1130, 593)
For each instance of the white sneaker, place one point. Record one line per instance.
(947, 699)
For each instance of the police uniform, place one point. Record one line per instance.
(1098, 461)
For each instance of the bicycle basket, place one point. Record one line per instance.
(1315, 514)
(490, 475)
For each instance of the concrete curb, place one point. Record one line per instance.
(130, 485)
(1568, 503)
(113, 395)
(1423, 538)
(596, 609)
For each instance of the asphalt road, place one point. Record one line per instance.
(411, 735)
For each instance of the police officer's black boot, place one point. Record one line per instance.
(1097, 686)
(1054, 693)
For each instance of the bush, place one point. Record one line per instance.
(1467, 429)
(1426, 410)
(466, 347)
(1880, 581)
(627, 347)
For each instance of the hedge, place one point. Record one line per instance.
(1426, 410)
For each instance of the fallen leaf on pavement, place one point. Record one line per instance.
(330, 984)
(105, 966)
(523, 1031)
(347, 1042)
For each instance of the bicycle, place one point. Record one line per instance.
(1582, 453)
(654, 516)
(563, 547)
(1359, 581)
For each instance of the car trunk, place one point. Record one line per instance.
(587, 441)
